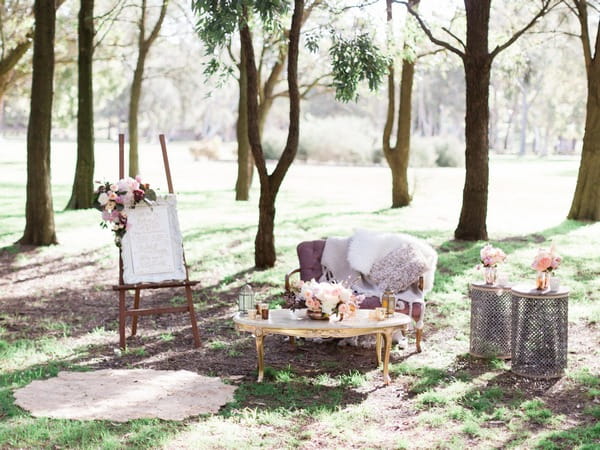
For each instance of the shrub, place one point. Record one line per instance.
(341, 139)
(422, 153)
(450, 152)
(440, 151)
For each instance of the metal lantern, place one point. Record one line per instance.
(388, 301)
(245, 300)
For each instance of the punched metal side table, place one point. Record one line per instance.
(490, 321)
(539, 332)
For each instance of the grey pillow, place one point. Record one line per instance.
(399, 269)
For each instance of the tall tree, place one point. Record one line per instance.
(477, 62)
(83, 184)
(144, 44)
(216, 24)
(39, 212)
(264, 244)
(274, 48)
(586, 200)
(397, 155)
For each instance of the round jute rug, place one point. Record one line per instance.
(121, 395)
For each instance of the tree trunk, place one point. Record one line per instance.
(397, 156)
(245, 162)
(144, 44)
(39, 212)
(264, 244)
(477, 63)
(400, 194)
(524, 117)
(134, 107)
(83, 184)
(586, 199)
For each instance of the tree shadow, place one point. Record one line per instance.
(457, 257)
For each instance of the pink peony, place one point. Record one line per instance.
(491, 256)
(546, 260)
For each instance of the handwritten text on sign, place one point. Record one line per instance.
(150, 241)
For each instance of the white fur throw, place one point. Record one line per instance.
(335, 263)
(366, 247)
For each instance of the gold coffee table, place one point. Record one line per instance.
(288, 323)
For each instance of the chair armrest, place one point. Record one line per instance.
(287, 279)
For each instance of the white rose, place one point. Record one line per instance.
(345, 295)
(103, 198)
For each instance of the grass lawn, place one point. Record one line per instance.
(57, 312)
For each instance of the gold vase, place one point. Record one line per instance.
(317, 315)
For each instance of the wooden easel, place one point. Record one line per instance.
(122, 288)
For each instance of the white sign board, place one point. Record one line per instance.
(152, 248)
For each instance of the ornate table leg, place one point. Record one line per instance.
(260, 353)
(387, 336)
(378, 348)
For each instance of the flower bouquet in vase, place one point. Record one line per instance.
(323, 299)
(490, 258)
(544, 263)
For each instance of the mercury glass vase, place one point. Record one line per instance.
(490, 274)
(542, 280)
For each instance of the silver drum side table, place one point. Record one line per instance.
(539, 332)
(490, 321)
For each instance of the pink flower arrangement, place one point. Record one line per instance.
(491, 256)
(328, 298)
(546, 260)
(112, 198)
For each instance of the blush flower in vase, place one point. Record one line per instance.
(490, 258)
(545, 261)
(324, 299)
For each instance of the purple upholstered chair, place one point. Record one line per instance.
(309, 256)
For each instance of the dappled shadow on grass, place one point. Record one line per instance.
(37, 269)
(456, 257)
(497, 398)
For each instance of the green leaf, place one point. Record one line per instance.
(354, 60)
(150, 195)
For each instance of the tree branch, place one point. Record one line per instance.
(428, 32)
(14, 55)
(158, 24)
(546, 7)
(455, 37)
(430, 53)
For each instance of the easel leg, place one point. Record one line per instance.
(134, 318)
(190, 302)
(122, 318)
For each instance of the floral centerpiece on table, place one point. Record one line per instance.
(490, 258)
(326, 298)
(545, 261)
(112, 198)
